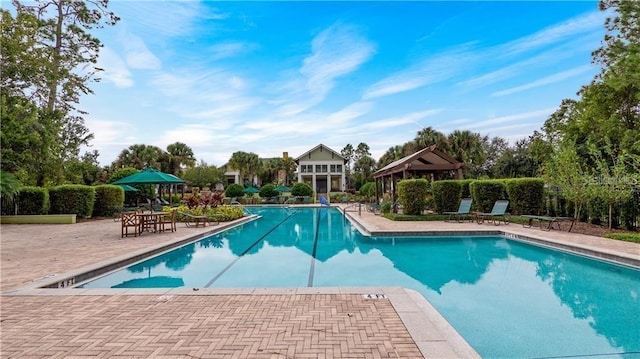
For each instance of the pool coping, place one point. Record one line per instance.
(609, 255)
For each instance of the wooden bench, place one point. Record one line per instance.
(546, 222)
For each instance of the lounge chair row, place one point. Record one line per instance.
(498, 213)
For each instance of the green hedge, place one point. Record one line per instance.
(109, 200)
(486, 192)
(446, 195)
(628, 237)
(526, 195)
(412, 194)
(301, 189)
(69, 199)
(33, 200)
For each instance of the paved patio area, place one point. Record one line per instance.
(207, 323)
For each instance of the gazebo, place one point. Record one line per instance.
(424, 163)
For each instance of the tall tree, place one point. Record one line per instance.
(348, 153)
(180, 155)
(52, 70)
(468, 147)
(140, 156)
(429, 136)
(203, 175)
(247, 164)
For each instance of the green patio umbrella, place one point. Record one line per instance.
(282, 188)
(149, 175)
(251, 190)
(128, 188)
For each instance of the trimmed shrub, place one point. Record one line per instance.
(485, 193)
(368, 190)
(301, 189)
(268, 191)
(33, 200)
(74, 198)
(412, 194)
(526, 195)
(109, 200)
(446, 195)
(234, 190)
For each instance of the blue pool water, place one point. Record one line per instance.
(506, 298)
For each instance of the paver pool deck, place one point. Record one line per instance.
(221, 323)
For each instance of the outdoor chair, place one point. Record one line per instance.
(498, 212)
(130, 224)
(168, 220)
(373, 208)
(191, 220)
(464, 209)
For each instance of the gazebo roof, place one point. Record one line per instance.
(426, 160)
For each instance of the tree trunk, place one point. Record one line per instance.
(55, 63)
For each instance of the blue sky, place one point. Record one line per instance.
(273, 77)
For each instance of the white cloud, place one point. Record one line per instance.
(585, 23)
(545, 80)
(115, 69)
(437, 68)
(138, 55)
(230, 49)
(538, 114)
(335, 52)
(152, 19)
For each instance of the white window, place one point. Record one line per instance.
(336, 168)
(321, 168)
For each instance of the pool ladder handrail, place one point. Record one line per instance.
(244, 210)
(344, 210)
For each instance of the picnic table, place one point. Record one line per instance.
(546, 222)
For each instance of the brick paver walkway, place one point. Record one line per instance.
(240, 326)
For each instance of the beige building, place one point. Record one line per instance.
(323, 169)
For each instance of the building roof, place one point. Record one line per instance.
(426, 160)
(320, 147)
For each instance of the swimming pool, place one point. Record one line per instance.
(506, 298)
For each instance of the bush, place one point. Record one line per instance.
(301, 190)
(627, 237)
(412, 194)
(220, 213)
(446, 195)
(268, 191)
(526, 195)
(109, 200)
(485, 193)
(385, 207)
(234, 190)
(71, 199)
(338, 197)
(368, 190)
(32, 200)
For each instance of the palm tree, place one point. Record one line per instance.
(139, 156)
(247, 164)
(289, 166)
(392, 154)
(180, 155)
(428, 136)
(468, 147)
